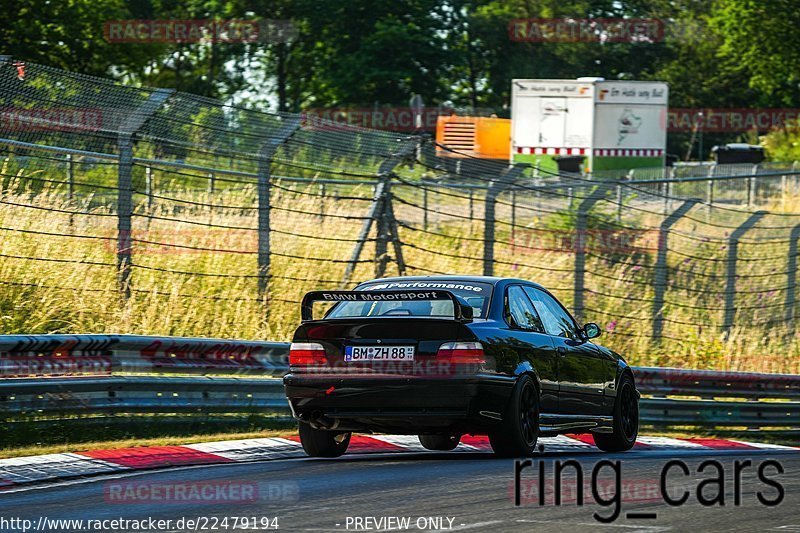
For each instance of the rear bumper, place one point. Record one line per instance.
(399, 404)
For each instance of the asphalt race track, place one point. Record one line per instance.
(464, 491)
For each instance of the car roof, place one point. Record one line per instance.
(492, 280)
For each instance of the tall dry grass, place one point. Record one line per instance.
(195, 268)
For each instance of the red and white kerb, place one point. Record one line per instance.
(598, 152)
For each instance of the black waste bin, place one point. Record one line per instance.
(738, 153)
(671, 160)
(569, 163)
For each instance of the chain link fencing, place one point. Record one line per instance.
(158, 212)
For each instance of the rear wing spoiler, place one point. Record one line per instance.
(461, 310)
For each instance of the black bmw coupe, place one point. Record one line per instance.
(446, 356)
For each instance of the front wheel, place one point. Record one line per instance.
(323, 443)
(626, 419)
(520, 429)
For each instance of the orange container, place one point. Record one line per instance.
(484, 137)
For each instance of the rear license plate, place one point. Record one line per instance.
(378, 353)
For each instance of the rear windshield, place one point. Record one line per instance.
(476, 294)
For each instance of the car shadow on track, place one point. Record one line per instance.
(459, 456)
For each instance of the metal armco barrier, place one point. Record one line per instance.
(46, 376)
(67, 355)
(140, 394)
(714, 399)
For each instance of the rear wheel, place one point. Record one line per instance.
(626, 420)
(323, 443)
(440, 442)
(520, 429)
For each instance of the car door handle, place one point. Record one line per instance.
(561, 351)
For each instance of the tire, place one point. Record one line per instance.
(439, 442)
(520, 429)
(322, 443)
(626, 419)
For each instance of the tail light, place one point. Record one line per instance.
(307, 354)
(461, 353)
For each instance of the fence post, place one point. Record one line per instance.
(730, 281)
(265, 155)
(791, 278)
(488, 228)
(391, 223)
(212, 179)
(322, 193)
(381, 213)
(372, 217)
(710, 189)
(70, 186)
(127, 130)
(471, 205)
(784, 184)
(383, 231)
(148, 187)
(387, 232)
(124, 214)
(70, 178)
(496, 186)
(660, 274)
(513, 213)
(424, 207)
(580, 246)
(751, 186)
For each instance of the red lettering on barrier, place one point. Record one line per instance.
(188, 351)
(151, 350)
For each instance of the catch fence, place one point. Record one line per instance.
(160, 212)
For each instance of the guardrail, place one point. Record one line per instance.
(70, 355)
(49, 376)
(714, 399)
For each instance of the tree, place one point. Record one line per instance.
(761, 40)
(487, 58)
(68, 35)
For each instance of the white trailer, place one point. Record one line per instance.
(612, 124)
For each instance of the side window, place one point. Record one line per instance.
(521, 311)
(555, 319)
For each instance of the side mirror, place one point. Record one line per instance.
(591, 330)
